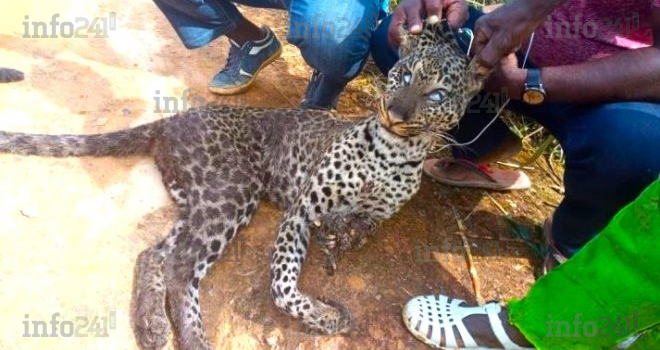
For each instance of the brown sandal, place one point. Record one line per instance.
(553, 257)
(486, 177)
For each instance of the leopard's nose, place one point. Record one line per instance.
(396, 115)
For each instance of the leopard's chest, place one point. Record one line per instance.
(367, 171)
(389, 184)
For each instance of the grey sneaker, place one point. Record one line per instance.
(244, 63)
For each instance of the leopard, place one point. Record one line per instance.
(335, 178)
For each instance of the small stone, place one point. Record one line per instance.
(357, 283)
(125, 111)
(8, 75)
(30, 212)
(379, 297)
(272, 341)
(101, 121)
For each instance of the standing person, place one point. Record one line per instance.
(593, 81)
(333, 38)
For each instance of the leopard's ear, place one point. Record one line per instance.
(432, 35)
(477, 76)
(408, 41)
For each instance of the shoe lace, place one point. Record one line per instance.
(233, 60)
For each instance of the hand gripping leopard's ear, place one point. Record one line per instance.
(478, 74)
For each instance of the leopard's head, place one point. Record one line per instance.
(430, 87)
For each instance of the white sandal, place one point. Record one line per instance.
(429, 317)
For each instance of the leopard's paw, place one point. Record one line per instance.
(330, 317)
(152, 325)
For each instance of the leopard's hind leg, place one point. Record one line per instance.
(152, 325)
(220, 205)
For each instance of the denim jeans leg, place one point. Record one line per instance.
(333, 38)
(611, 156)
(198, 22)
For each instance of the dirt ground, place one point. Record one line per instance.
(71, 229)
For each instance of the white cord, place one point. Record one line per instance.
(469, 32)
(529, 47)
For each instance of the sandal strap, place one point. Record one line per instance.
(493, 309)
(458, 313)
(452, 312)
(480, 170)
(468, 341)
(553, 252)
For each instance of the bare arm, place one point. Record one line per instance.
(628, 75)
(501, 32)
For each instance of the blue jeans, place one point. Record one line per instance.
(612, 150)
(333, 36)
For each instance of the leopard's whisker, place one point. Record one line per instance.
(442, 136)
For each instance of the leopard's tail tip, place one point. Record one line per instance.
(124, 142)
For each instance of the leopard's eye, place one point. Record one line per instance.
(436, 96)
(406, 77)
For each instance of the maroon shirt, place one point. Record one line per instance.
(583, 30)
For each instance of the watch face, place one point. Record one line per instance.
(533, 97)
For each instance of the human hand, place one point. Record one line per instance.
(413, 11)
(507, 79)
(503, 31)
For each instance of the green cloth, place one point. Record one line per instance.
(613, 282)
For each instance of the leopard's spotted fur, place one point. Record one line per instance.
(334, 175)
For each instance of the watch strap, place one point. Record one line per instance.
(533, 78)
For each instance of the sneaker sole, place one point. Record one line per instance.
(243, 87)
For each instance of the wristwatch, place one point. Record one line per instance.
(534, 93)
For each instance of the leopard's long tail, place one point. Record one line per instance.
(137, 140)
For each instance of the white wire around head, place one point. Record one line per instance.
(529, 47)
(469, 32)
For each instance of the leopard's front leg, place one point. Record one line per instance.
(290, 251)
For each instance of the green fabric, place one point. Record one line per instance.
(614, 279)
